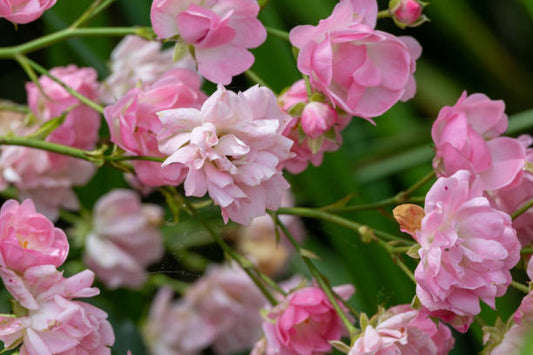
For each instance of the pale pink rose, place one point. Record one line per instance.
(24, 11)
(134, 125)
(307, 131)
(467, 136)
(28, 238)
(403, 330)
(125, 239)
(44, 177)
(175, 327)
(467, 249)
(136, 61)
(511, 199)
(362, 70)
(304, 323)
(227, 299)
(220, 31)
(232, 149)
(53, 323)
(406, 12)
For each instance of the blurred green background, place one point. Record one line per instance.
(474, 45)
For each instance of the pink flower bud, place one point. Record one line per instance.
(407, 12)
(317, 118)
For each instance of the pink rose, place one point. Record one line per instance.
(303, 323)
(53, 322)
(134, 125)
(362, 70)
(403, 330)
(176, 327)
(466, 137)
(137, 61)
(81, 125)
(227, 299)
(125, 239)
(309, 130)
(511, 199)
(232, 149)
(28, 238)
(220, 31)
(467, 249)
(46, 177)
(24, 11)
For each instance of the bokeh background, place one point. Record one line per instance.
(473, 45)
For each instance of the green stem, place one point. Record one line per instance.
(86, 15)
(324, 285)
(14, 108)
(48, 146)
(244, 263)
(404, 194)
(134, 157)
(384, 14)
(71, 91)
(161, 280)
(520, 286)
(527, 250)
(522, 209)
(278, 33)
(45, 41)
(318, 214)
(255, 78)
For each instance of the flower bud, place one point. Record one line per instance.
(317, 118)
(407, 13)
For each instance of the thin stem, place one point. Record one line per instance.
(245, 264)
(71, 91)
(308, 87)
(14, 108)
(86, 15)
(45, 41)
(522, 209)
(318, 214)
(527, 250)
(520, 286)
(384, 14)
(48, 146)
(401, 197)
(278, 33)
(324, 285)
(255, 78)
(134, 157)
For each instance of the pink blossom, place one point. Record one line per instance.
(46, 177)
(467, 136)
(304, 323)
(125, 239)
(220, 31)
(134, 125)
(407, 12)
(511, 199)
(467, 249)
(53, 323)
(227, 299)
(232, 148)
(24, 11)
(362, 70)
(81, 125)
(136, 61)
(316, 118)
(175, 327)
(403, 330)
(28, 238)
